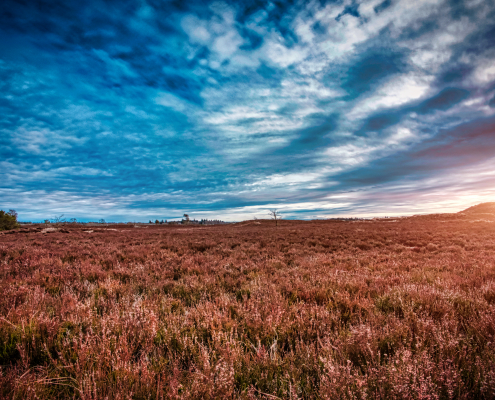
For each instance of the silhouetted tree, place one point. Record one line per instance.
(275, 215)
(58, 220)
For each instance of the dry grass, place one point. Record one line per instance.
(324, 310)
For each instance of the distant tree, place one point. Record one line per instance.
(186, 216)
(276, 215)
(102, 221)
(8, 220)
(156, 221)
(46, 221)
(58, 220)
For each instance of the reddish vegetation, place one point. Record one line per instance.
(484, 208)
(389, 309)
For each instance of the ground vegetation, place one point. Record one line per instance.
(383, 309)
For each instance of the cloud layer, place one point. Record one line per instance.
(136, 110)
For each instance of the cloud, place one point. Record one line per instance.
(174, 102)
(196, 29)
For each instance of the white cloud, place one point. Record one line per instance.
(196, 29)
(43, 141)
(275, 52)
(227, 44)
(341, 37)
(171, 101)
(244, 59)
(359, 151)
(432, 50)
(396, 92)
(304, 30)
(223, 10)
(485, 72)
(308, 89)
(220, 35)
(288, 180)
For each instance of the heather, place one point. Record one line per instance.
(384, 309)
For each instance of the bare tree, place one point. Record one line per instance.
(12, 213)
(276, 215)
(58, 220)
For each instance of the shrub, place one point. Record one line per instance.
(8, 220)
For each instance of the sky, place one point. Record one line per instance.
(137, 110)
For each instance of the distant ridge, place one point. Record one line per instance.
(483, 208)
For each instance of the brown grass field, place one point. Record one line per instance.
(380, 309)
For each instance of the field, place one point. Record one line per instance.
(381, 309)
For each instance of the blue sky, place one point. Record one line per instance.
(136, 110)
